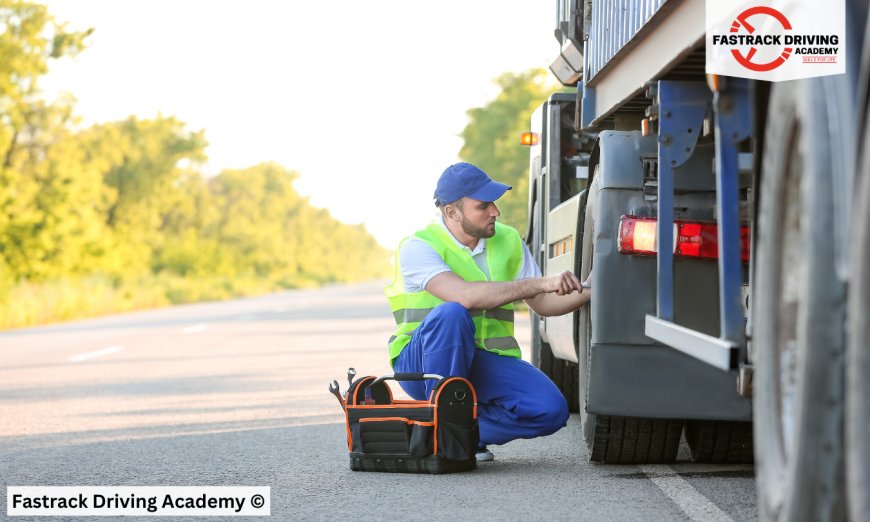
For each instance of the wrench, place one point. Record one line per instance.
(351, 373)
(333, 389)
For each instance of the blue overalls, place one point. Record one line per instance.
(515, 400)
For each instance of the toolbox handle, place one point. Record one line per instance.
(407, 377)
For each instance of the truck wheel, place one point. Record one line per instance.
(720, 442)
(798, 313)
(563, 373)
(632, 440)
(857, 352)
(597, 452)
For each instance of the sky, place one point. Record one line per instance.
(365, 100)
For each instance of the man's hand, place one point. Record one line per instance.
(562, 284)
(559, 297)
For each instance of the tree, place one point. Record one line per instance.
(268, 230)
(125, 203)
(39, 187)
(492, 138)
(142, 167)
(29, 38)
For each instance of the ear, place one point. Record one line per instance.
(451, 212)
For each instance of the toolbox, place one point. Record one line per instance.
(439, 435)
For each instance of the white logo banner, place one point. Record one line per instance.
(776, 40)
(143, 501)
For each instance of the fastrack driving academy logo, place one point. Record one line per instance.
(742, 22)
(775, 40)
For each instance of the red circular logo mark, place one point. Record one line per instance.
(741, 21)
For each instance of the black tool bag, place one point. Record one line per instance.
(435, 436)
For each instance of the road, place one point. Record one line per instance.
(235, 394)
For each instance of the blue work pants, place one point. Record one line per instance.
(515, 400)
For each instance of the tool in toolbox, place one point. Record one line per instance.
(439, 435)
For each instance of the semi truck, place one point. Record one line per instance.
(725, 223)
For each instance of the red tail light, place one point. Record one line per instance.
(697, 240)
(637, 236)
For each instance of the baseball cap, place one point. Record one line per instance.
(466, 180)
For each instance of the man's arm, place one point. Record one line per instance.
(482, 295)
(547, 305)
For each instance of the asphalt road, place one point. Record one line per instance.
(235, 394)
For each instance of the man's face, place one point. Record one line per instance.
(478, 218)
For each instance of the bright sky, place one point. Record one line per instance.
(364, 99)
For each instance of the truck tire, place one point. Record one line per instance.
(564, 374)
(798, 312)
(595, 442)
(720, 442)
(632, 440)
(857, 352)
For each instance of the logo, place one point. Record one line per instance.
(775, 39)
(742, 22)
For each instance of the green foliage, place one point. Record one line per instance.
(492, 138)
(29, 38)
(118, 216)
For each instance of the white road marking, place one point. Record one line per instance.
(281, 309)
(693, 503)
(88, 355)
(195, 328)
(246, 317)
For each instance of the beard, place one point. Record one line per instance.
(475, 231)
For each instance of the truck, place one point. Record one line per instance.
(746, 335)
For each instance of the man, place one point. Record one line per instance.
(452, 298)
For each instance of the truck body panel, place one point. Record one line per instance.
(667, 43)
(665, 384)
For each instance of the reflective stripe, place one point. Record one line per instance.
(501, 314)
(501, 343)
(494, 313)
(411, 315)
(416, 315)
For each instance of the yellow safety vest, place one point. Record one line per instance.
(494, 328)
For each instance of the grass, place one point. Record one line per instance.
(29, 304)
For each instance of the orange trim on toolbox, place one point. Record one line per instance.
(434, 402)
(349, 438)
(389, 406)
(361, 381)
(470, 386)
(403, 419)
(351, 398)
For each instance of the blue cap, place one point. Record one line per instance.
(465, 180)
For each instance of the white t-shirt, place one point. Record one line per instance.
(420, 263)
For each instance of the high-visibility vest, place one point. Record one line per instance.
(494, 328)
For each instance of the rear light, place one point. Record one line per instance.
(696, 240)
(637, 236)
(745, 240)
(700, 240)
(529, 138)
